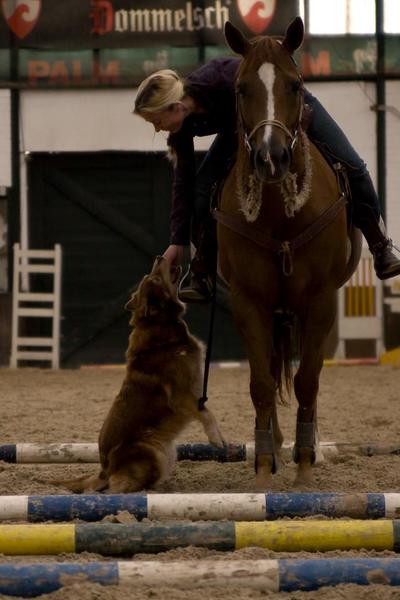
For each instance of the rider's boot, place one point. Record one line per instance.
(386, 263)
(368, 219)
(197, 285)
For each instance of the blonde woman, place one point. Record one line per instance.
(203, 104)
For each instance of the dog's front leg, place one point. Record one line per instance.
(210, 425)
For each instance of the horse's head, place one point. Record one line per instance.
(269, 97)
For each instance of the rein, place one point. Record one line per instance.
(283, 248)
(274, 123)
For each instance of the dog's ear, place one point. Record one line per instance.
(141, 306)
(149, 310)
(132, 302)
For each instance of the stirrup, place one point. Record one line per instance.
(196, 287)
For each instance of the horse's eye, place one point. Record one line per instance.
(296, 85)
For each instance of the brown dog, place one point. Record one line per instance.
(159, 395)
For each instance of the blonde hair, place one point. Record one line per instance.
(158, 91)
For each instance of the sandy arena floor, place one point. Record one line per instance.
(356, 404)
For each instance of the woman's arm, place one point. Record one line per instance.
(182, 188)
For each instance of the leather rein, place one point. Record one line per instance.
(286, 248)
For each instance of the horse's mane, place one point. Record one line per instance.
(263, 47)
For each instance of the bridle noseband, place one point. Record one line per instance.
(274, 123)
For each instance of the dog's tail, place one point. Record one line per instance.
(94, 483)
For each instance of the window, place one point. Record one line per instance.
(328, 17)
(392, 16)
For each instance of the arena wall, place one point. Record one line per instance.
(55, 121)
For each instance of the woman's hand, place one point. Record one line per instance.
(174, 254)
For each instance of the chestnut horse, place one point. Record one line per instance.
(285, 246)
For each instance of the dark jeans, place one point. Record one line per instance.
(327, 133)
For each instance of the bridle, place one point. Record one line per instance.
(293, 137)
(250, 184)
(274, 123)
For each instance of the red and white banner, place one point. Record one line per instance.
(257, 14)
(80, 24)
(21, 15)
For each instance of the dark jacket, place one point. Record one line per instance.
(213, 87)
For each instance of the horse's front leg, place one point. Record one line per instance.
(255, 325)
(315, 326)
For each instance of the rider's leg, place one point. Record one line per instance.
(196, 285)
(367, 210)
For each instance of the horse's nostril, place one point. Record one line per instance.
(261, 158)
(286, 157)
(272, 161)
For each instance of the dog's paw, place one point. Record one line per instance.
(215, 438)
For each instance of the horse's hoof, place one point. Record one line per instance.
(304, 479)
(264, 480)
(263, 484)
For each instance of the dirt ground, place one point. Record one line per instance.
(356, 404)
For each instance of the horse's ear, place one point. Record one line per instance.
(235, 39)
(294, 35)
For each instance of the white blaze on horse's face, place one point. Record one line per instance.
(267, 75)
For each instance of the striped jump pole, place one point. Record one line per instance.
(64, 453)
(89, 453)
(199, 507)
(111, 539)
(284, 575)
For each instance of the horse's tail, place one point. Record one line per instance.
(285, 351)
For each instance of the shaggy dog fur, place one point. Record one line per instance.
(159, 395)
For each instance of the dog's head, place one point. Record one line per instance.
(156, 298)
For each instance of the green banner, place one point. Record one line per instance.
(123, 67)
(319, 57)
(347, 55)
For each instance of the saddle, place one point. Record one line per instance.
(341, 172)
